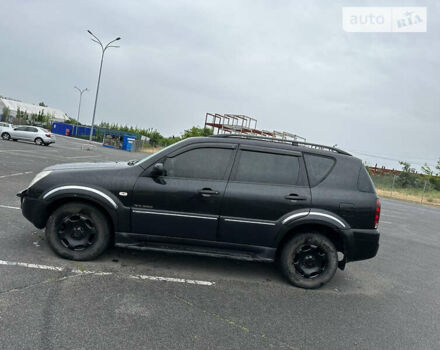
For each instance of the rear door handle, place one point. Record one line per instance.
(208, 192)
(295, 197)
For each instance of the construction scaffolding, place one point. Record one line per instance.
(241, 124)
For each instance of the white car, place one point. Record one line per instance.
(4, 126)
(28, 133)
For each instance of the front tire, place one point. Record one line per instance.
(309, 260)
(78, 231)
(6, 136)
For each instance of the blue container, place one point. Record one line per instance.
(127, 142)
(60, 128)
(82, 131)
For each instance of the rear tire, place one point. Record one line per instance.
(309, 260)
(39, 141)
(78, 231)
(6, 136)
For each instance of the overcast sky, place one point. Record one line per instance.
(288, 64)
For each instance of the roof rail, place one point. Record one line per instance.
(290, 142)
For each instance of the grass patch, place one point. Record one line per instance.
(431, 197)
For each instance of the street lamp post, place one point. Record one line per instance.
(79, 106)
(103, 48)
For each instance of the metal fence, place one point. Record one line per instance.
(415, 189)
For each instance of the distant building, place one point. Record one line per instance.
(56, 115)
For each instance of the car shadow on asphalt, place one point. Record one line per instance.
(215, 269)
(195, 266)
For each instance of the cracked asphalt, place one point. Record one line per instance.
(389, 302)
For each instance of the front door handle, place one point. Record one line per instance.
(295, 197)
(208, 192)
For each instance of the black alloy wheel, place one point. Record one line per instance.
(78, 231)
(309, 260)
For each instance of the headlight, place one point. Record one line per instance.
(39, 176)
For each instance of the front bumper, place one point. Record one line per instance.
(361, 244)
(33, 209)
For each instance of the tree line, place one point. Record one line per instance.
(409, 178)
(156, 138)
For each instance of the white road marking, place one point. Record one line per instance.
(384, 222)
(88, 272)
(9, 207)
(171, 279)
(103, 273)
(31, 266)
(82, 157)
(16, 174)
(15, 150)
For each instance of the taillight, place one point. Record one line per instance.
(47, 135)
(377, 214)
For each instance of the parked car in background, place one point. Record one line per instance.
(28, 133)
(4, 126)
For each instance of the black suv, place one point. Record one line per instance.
(249, 198)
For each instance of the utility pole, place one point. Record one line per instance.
(79, 106)
(103, 48)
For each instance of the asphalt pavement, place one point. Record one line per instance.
(150, 300)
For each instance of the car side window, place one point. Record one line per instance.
(200, 163)
(268, 168)
(30, 129)
(21, 128)
(318, 167)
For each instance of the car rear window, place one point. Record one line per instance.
(364, 181)
(318, 167)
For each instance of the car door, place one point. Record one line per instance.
(30, 133)
(19, 133)
(265, 184)
(185, 201)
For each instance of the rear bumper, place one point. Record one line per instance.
(361, 244)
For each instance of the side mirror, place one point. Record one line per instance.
(157, 170)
